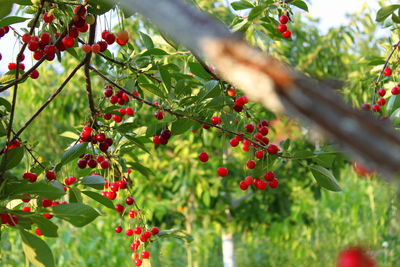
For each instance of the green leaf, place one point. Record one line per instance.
(165, 77)
(6, 7)
(154, 52)
(11, 20)
(385, 12)
(325, 178)
(255, 12)
(38, 188)
(137, 143)
(47, 227)
(181, 126)
(69, 134)
(210, 91)
(23, 2)
(77, 214)
(5, 103)
(3, 131)
(71, 154)
(99, 198)
(99, 7)
(140, 168)
(36, 250)
(95, 181)
(393, 104)
(149, 87)
(300, 4)
(9, 76)
(148, 43)
(14, 157)
(74, 195)
(239, 5)
(198, 70)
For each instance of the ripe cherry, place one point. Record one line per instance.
(231, 91)
(249, 180)
(381, 101)
(376, 108)
(38, 232)
(234, 142)
(216, 120)
(119, 208)
(159, 115)
(92, 163)
(263, 130)
(132, 214)
(68, 42)
(48, 18)
(118, 229)
(272, 149)
(282, 27)
(284, 19)
(382, 92)
(110, 38)
(105, 164)
(129, 111)
(249, 128)
(34, 74)
(33, 45)
(32, 177)
(50, 175)
(243, 185)
(387, 71)
(251, 164)
(155, 230)
(123, 36)
(129, 200)
(82, 163)
(274, 183)
(70, 180)
(222, 171)
(95, 48)
(396, 90)
(203, 157)
(129, 232)
(259, 154)
(366, 106)
(26, 38)
(269, 176)
(287, 34)
(138, 262)
(47, 216)
(46, 203)
(145, 254)
(26, 209)
(355, 257)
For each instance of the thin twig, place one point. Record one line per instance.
(48, 101)
(92, 34)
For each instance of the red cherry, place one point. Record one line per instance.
(274, 183)
(34, 74)
(82, 163)
(234, 142)
(396, 90)
(138, 262)
(159, 115)
(129, 111)
(70, 180)
(376, 108)
(80, 10)
(263, 130)
(145, 254)
(287, 34)
(48, 18)
(50, 175)
(272, 149)
(92, 163)
(237, 108)
(216, 120)
(259, 154)
(107, 116)
(269, 176)
(251, 164)
(284, 19)
(26, 38)
(117, 118)
(382, 92)
(147, 234)
(282, 27)
(38, 232)
(243, 185)
(203, 157)
(110, 38)
(46, 203)
(118, 229)
(249, 128)
(109, 141)
(129, 232)
(105, 164)
(366, 106)
(129, 200)
(132, 214)
(111, 195)
(381, 101)
(12, 66)
(387, 71)
(119, 208)
(68, 41)
(32, 177)
(222, 171)
(26, 209)
(103, 46)
(137, 230)
(33, 45)
(249, 180)
(355, 257)
(260, 184)
(47, 216)
(155, 230)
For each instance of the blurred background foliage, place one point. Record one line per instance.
(298, 224)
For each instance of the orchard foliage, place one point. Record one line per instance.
(149, 98)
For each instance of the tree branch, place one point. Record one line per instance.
(92, 34)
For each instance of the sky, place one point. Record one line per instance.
(332, 13)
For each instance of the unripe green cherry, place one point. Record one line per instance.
(226, 109)
(90, 19)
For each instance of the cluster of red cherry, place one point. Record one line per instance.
(283, 28)
(119, 98)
